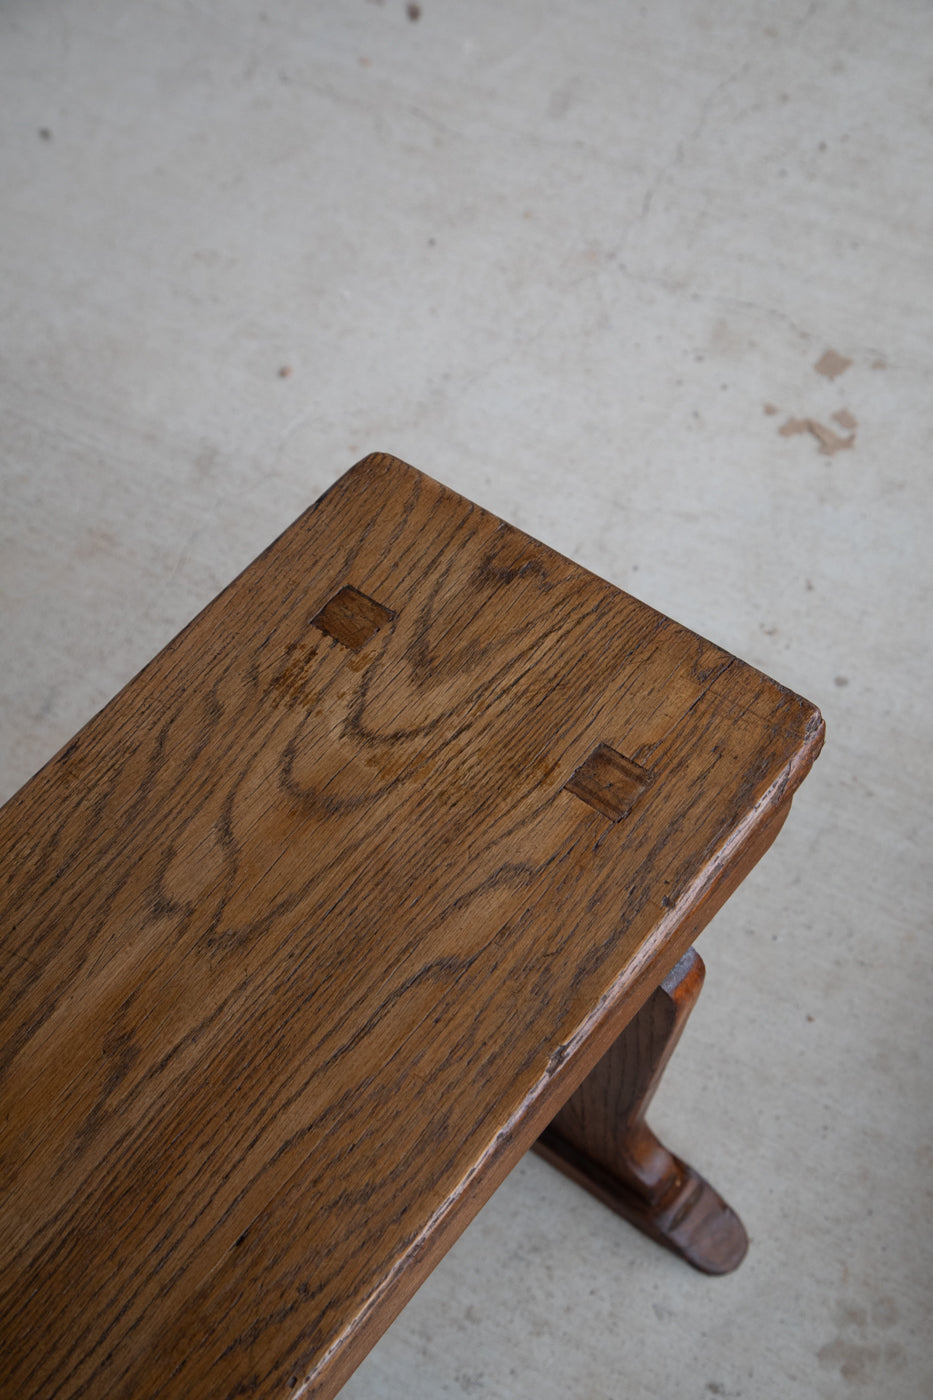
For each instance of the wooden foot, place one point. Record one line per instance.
(601, 1140)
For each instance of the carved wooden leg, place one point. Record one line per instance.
(601, 1140)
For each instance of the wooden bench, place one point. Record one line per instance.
(319, 924)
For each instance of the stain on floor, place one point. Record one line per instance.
(832, 364)
(830, 442)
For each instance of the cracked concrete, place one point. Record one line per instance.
(568, 259)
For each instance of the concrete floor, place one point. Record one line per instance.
(578, 261)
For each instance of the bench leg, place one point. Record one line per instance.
(601, 1140)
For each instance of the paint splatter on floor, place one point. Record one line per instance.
(832, 364)
(830, 442)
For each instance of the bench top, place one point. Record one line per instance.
(307, 934)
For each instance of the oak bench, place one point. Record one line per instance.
(388, 866)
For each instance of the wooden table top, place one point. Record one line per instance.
(311, 930)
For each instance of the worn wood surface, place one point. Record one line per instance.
(305, 938)
(601, 1140)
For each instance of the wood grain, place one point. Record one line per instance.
(303, 944)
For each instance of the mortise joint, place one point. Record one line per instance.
(609, 782)
(351, 618)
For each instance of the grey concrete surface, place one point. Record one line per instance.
(567, 258)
